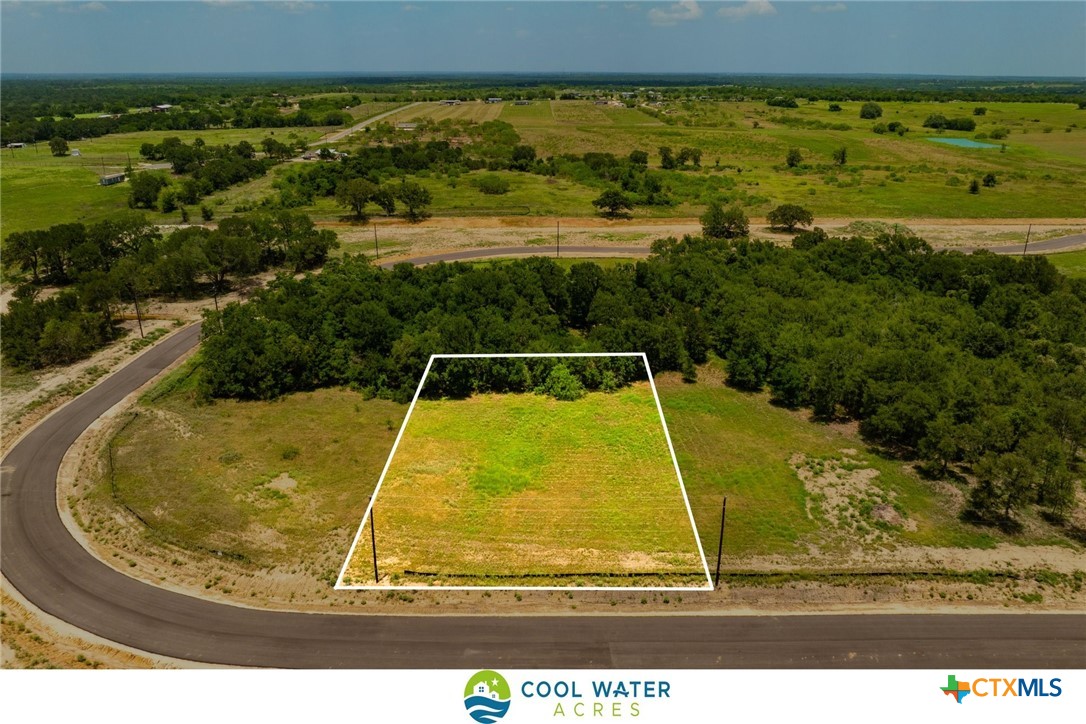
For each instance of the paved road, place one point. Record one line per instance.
(506, 251)
(39, 557)
(1036, 247)
(340, 135)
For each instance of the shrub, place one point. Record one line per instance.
(870, 110)
(561, 384)
(492, 184)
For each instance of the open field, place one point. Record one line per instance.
(886, 176)
(40, 190)
(1071, 263)
(523, 489)
(217, 477)
(476, 111)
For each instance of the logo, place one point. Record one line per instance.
(486, 697)
(998, 687)
(958, 689)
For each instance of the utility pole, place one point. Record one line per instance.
(376, 249)
(373, 544)
(1024, 248)
(557, 238)
(720, 546)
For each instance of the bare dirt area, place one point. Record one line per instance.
(399, 240)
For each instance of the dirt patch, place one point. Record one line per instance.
(842, 492)
(283, 483)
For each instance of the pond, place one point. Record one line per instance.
(963, 142)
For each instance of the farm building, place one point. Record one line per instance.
(450, 102)
(111, 178)
(406, 126)
(522, 103)
(162, 108)
(493, 100)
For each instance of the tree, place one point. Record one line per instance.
(835, 108)
(789, 216)
(415, 198)
(794, 157)
(25, 249)
(990, 180)
(228, 255)
(667, 160)
(980, 111)
(1004, 484)
(718, 223)
(385, 198)
(144, 190)
(840, 156)
(184, 215)
(974, 187)
(612, 203)
(870, 110)
(58, 146)
(355, 194)
(207, 213)
(639, 158)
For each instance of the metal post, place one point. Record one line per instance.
(720, 546)
(1028, 230)
(376, 249)
(373, 545)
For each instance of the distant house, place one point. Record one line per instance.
(76, 152)
(309, 156)
(16, 145)
(110, 179)
(522, 103)
(163, 108)
(451, 102)
(493, 100)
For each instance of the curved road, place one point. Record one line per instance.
(39, 557)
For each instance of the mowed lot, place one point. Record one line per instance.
(503, 489)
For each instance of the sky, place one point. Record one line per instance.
(950, 37)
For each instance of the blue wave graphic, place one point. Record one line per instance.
(484, 710)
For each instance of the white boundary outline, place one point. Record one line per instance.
(341, 586)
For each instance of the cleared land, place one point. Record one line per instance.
(179, 464)
(1071, 263)
(522, 489)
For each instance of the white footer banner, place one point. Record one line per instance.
(513, 696)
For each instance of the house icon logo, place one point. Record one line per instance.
(486, 697)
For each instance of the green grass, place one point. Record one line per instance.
(1070, 263)
(38, 190)
(203, 475)
(523, 485)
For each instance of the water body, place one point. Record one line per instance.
(963, 142)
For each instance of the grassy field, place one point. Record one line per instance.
(509, 488)
(738, 445)
(38, 190)
(287, 482)
(265, 482)
(743, 148)
(1071, 263)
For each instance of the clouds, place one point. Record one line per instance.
(747, 9)
(829, 8)
(677, 12)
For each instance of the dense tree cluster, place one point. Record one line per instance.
(939, 121)
(970, 362)
(122, 261)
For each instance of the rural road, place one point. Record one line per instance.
(1063, 242)
(39, 558)
(340, 135)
